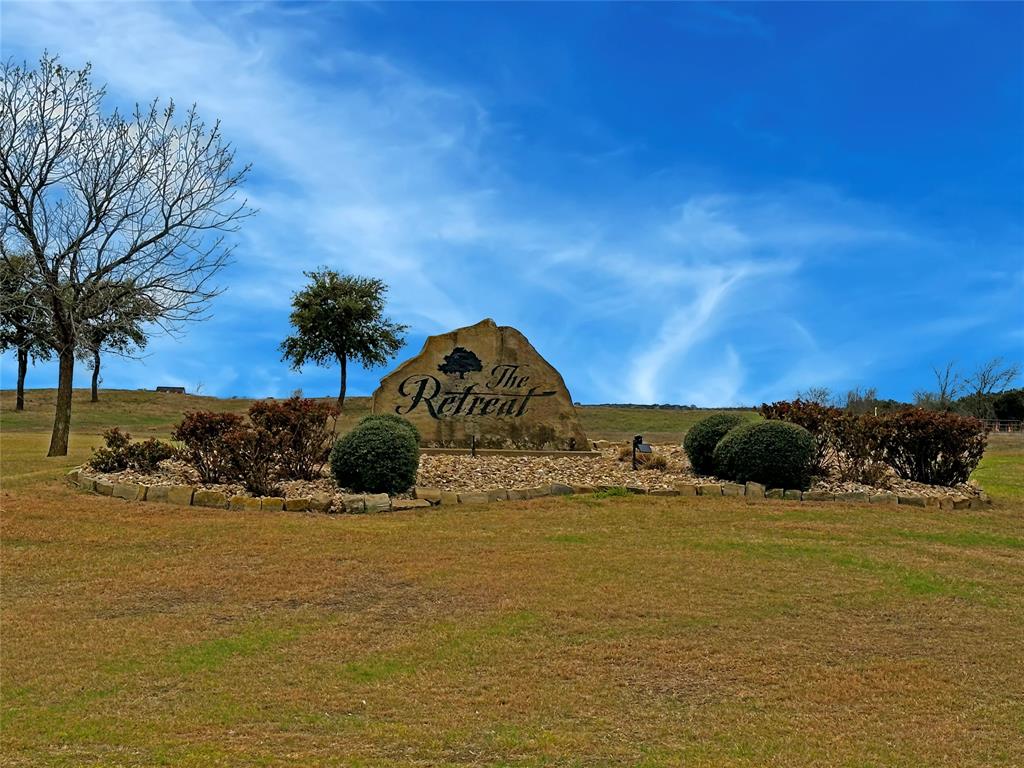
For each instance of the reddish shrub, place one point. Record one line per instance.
(202, 434)
(845, 441)
(252, 454)
(930, 447)
(302, 431)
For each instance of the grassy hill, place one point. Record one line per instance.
(569, 631)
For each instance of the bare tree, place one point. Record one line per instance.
(819, 395)
(948, 386)
(141, 201)
(991, 377)
(948, 383)
(861, 401)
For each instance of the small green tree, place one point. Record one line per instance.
(117, 324)
(22, 317)
(341, 317)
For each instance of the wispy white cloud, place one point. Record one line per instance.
(365, 165)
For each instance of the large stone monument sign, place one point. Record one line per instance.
(484, 381)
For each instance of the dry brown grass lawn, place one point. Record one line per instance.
(569, 632)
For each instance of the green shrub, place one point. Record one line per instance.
(391, 418)
(930, 447)
(380, 455)
(820, 420)
(701, 439)
(775, 453)
(145, 456)
(121, 453)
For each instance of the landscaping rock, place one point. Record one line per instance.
(353, 504)
(883, 498)
(378, 502)
(732, 489)
(755, 490)
(180, 494)
(579, 489)
(946, 502)
(852, 496)
(775, 493)
(449, 497)
(272, 503)
(86, 483)
(248, 503)
(432, 495)
(296, 505)
(129, 491)
(513, 397)
(539, 492)
(399, 505)
(518, 494)
(793, 495)
(686, 489)
(709, 489)
(819, 496)
(103, 488)
(72, 476)
(473, 497)
(638, 490)
(664, 492)
(560, 489)
(170, 494)
(961, 504)
(320, 502)
(497, 494)
(205, 498)
(910, 501)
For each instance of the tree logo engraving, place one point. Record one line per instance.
(460, 361)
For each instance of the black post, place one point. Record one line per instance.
(472, 446)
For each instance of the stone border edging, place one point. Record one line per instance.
(188, 495)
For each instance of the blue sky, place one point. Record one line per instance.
(711, 204)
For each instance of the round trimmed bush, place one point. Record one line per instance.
(392, 418)
(774, 453)
(380, 455)
(699, 443)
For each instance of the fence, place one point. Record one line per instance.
(1004, 425)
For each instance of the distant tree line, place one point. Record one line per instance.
(983, 393)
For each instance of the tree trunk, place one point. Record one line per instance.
(62, 416)
(95, 375)
(344, 381)
(19, 403)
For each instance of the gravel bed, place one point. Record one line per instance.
(468, 473)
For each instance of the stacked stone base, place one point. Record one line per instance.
(187, 495)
